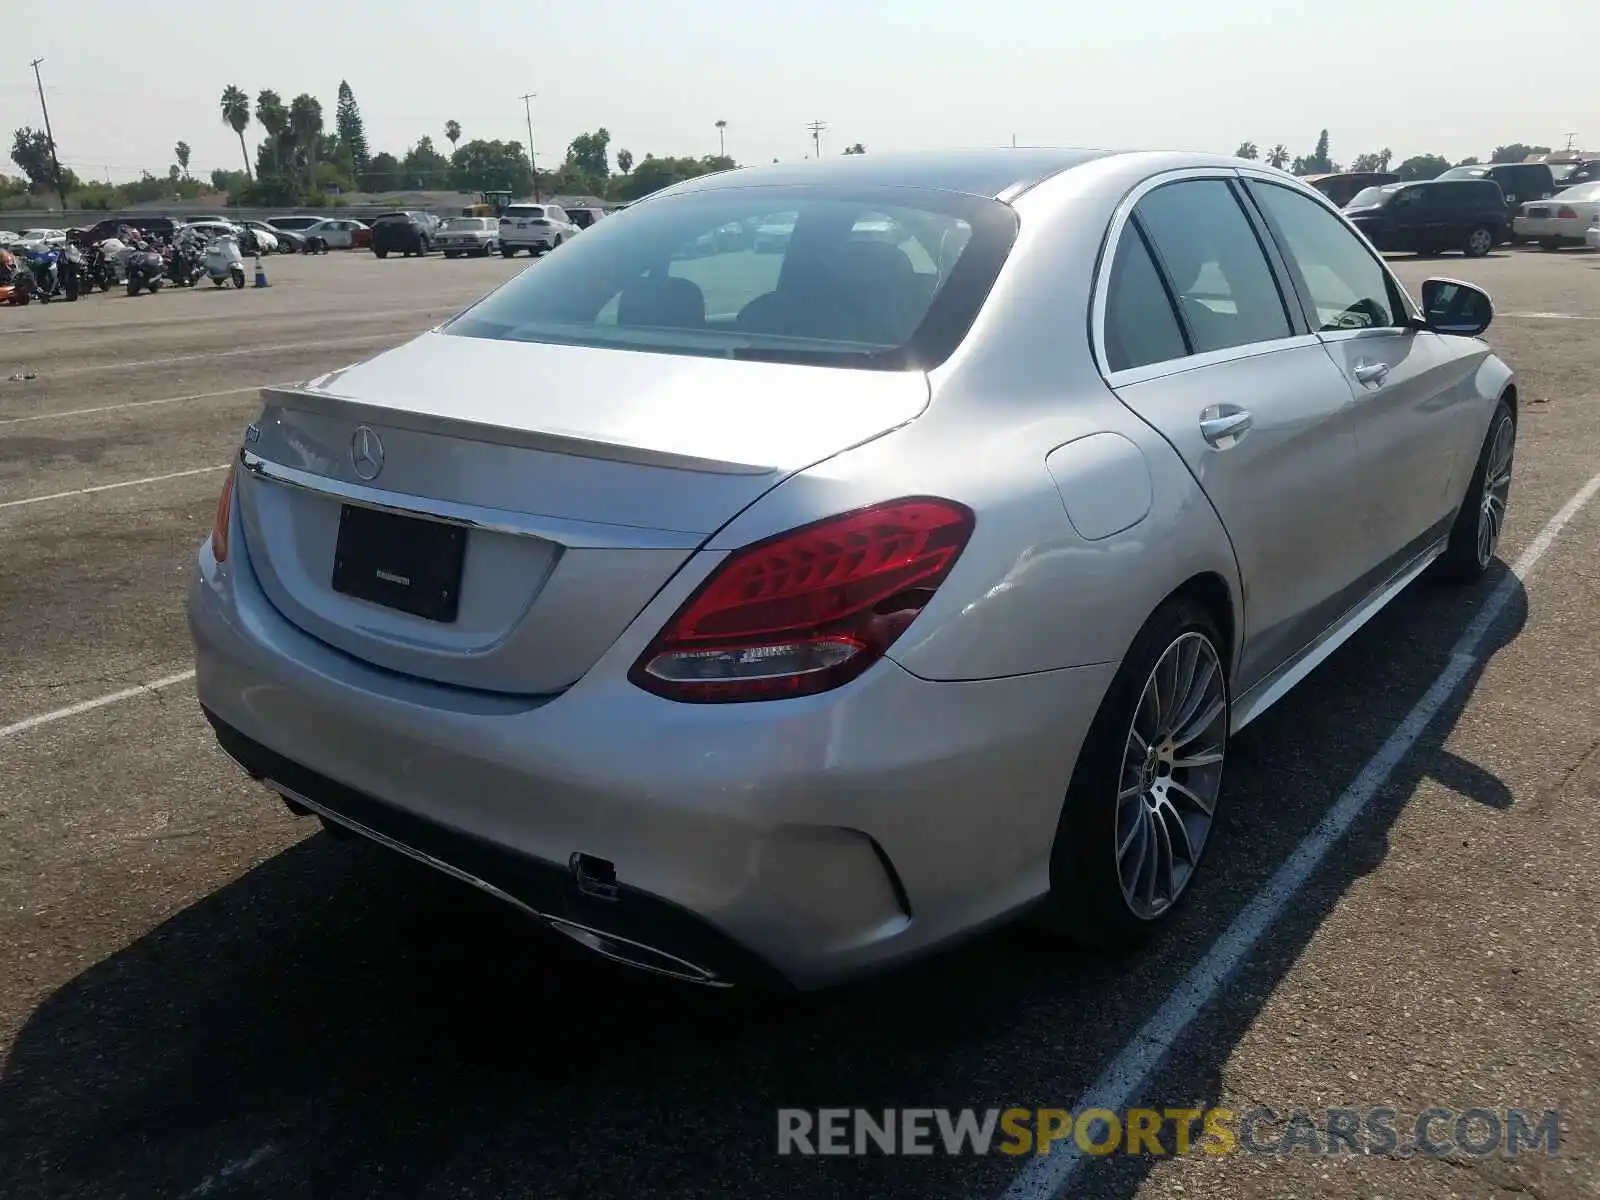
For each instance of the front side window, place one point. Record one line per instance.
(1346, 285)
(1214, 263)
(887, 278)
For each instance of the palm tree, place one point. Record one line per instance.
(236, 115)
(452, 130)
(272, 116)
(305, 125)
(1278, 156)
(722, 148)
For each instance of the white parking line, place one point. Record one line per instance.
(83, 706)
(386, 335)
(309, 314)
(105, 408)
(1548, 316)
(1048, 1176)
(108, 487)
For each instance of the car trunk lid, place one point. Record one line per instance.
(530, 499)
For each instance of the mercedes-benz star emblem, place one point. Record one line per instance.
(366, 452)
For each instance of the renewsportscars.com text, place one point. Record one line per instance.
(1433, 1132)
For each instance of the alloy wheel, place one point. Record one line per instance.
(1171, 775)
(1496, 490)
(1481, 241)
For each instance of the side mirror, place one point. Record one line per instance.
(1450, 306)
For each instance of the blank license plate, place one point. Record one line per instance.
(403, 563)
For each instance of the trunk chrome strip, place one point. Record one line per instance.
(574, 535)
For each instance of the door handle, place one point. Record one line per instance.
(1372, 374)
(1224, 424)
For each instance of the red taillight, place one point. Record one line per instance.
(1570, 214)
(220, 526)
(807, 610)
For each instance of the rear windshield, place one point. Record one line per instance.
(391, 217)
(889, 278)
(1369, 197)
(1466, 173)
(525, 210)
(458, 224)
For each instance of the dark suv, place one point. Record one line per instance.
(408, 232)
(1469, 215)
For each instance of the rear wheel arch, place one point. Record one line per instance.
(1510, 398)
(1212, 593)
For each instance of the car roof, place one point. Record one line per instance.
(994, 173)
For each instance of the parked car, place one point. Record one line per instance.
(583, 218)
(1433, 216)
(786, 624)
(40, 239)
(1572, 174)
(773, 232)
(536, 228)
(1520, 182)
(337, 233)
(407, 232)
(1342, 187)
(1562, 220)
(469, 235)
(259, 237)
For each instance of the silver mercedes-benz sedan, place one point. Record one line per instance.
(780, 616)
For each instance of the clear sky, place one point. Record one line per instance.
(1456, 77)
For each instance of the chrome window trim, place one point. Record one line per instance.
(574, 535)
(1102, 285)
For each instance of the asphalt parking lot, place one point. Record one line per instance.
(201, 995)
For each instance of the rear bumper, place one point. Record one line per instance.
(523, 240)
(1558, 228)
(814, 839)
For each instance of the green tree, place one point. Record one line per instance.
(589, 153)
(236, 116)
(481, 165)
(231, 182)
(1423, 166)
(272, 116)
(382, 173)
(452, 133)
(652, 174)
(1278, 156)
(30, 150)
(1247, 150)
(624, 161)
(181, 152)
(305, 124)
(1469, 161)
(1378, 161)
(1516, 152)
(424, 167)
(352, 133)
(1319, 161)
(857, 148)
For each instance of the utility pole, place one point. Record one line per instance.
(817, 128)
(527, 111)
(55, 163)
(1571, 137)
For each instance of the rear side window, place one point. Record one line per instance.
(1344, 282)
(1217, 270)
(1141, 327)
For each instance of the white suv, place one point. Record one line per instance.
(534, 228)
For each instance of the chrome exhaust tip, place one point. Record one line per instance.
(635, 954)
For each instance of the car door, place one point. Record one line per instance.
(1413, 390)
(1201, 338)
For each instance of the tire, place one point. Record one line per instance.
(1111, 802)
(133, 287)
(381, 253)
(1550, 244)
(1479, 241)
(1475, 536)
(155, 286)
(507, 251)
(452, 253)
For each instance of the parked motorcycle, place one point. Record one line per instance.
(72, 266)
(146, 270)
(39, 277)
(186, 264)
(224, 262)
(101, 265)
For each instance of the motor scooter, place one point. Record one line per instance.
(223, 261)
